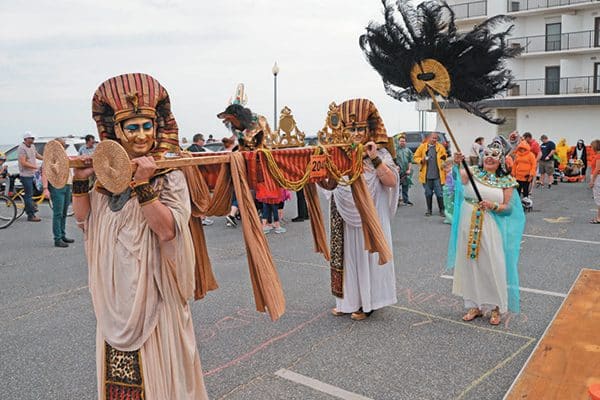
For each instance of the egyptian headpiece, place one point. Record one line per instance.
(497, 149)
(362, 113)
(135, 95)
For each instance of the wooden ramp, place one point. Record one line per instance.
(566, 361)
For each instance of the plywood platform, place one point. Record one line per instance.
(566, 360)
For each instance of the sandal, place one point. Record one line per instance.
(335, 312)
(360, 315)
(495, 317)
(472, 314)
(594, 221)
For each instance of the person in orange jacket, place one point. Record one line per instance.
(524, 168)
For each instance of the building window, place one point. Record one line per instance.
(552, 80)
(597, 78)
(597, 32)
(553, 37)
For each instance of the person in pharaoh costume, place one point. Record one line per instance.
(486, 236)
(139, 251)
(359, 283)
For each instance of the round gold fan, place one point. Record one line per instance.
(431, 73)
(112, 166)
(56, 164)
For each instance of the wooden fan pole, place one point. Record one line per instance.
(464, 162)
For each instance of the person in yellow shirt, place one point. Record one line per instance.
(430, 155)
(562, 151)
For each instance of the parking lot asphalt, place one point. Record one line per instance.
(416, 349)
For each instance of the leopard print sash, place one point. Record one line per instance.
(337, 251)
(123, 374)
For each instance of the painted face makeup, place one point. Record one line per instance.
(357, 132)
(138, 136)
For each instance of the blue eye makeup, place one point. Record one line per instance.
(147, 125)
(132, 127)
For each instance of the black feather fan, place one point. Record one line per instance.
(474, 60)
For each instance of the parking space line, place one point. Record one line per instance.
(477, 381)
(524, 289)
(319, 386)
(563, 239)
(465, 324)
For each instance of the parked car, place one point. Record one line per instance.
(73, 145)
(215, 146)
(415, 138)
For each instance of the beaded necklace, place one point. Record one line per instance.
(490, 179)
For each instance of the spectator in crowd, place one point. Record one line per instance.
(198, 145)
(513, 140)
(578, 152)
(431, 156)
(61, 199)
(302, 207)
(270, 211)
(286, 196)
(524, 168)
(476, 150)
(229, 145)
(534, 147)
(595, 180)
(27, 168)
(404, 159)
(3, 168)
(211, 139)
(562, 152)
(90, 146)
(449, 191)
(546, 161)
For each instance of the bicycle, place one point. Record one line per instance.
(19, 200)
(8, 211)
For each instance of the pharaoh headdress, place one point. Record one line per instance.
(419, 47)
(362, 113)
(135, 95)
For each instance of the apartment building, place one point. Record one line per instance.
(557, 75)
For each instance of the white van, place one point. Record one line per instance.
(12, 157)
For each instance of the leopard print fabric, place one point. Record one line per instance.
(337, 251)
(123, 374)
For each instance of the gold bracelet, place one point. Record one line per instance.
(81, 187)
(145, 193)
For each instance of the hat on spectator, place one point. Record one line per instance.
(28, 135)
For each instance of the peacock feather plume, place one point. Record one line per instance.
(411, 35)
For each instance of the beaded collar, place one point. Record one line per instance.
(490, 179)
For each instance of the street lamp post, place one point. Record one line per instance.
(275, 71)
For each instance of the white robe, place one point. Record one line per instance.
(140, 290)
(367, 284)
(481, 282)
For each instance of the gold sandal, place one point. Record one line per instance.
(472, 314)
(335, 312)
(495, 317)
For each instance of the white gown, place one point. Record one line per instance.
(366, 283)
(481, 282)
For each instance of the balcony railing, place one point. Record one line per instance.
(470, 10)
(564, 41)
(523, 5)
(541, 87)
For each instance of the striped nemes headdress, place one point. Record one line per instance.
(135, 95)
(363, 113)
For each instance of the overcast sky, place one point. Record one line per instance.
(54, 54)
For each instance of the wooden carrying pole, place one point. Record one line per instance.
(464, 162)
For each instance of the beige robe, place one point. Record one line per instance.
(140, 290)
